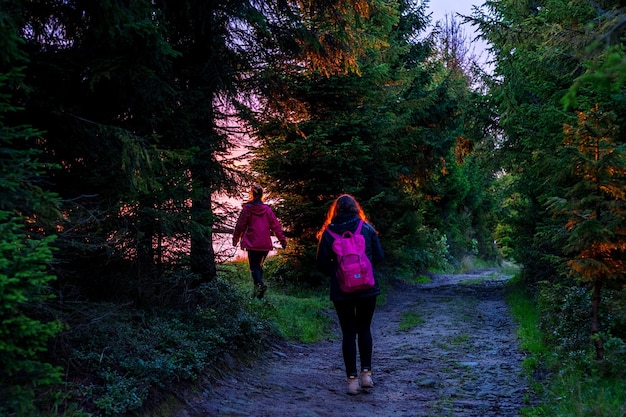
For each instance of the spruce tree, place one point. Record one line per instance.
(379, 134)
(27, 215)
(596, 208)
(559, 88)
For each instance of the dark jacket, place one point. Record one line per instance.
(327, 260)
(255, 226)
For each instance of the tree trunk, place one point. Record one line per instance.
(202, 252)
(595, 319)
(145, 257)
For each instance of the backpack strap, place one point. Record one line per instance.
(333, 234)
(358, 229)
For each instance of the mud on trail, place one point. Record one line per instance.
(462, 359)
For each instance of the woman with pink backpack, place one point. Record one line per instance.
(355, 308)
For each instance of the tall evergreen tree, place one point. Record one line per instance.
(595, 207)
(379, 134)
(27, 213)
(135, 99)
(595, 152)
(531, 75)
(568, 158)
(463, 202)
(102, 95)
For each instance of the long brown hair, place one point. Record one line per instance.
(256, 193)
(345, 203)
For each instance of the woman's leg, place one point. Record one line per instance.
(363, 321)
(347, 321)
(255, 262)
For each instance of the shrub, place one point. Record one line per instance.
(121, 355)
(24, 335)
(294, 266)
(565, 317)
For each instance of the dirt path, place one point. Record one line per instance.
(463, 360)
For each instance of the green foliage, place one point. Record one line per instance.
(565, 317)
(595, 204)
(294, 267)
(24, 286)
(581, 396)
(467, 209)
(534, 69)
(26, 212)
(297, 310)
(565, 163)
(124, 354)
(415, 248)
(553, 325)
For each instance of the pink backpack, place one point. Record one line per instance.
(355, 271)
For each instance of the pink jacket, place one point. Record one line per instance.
(255, 226)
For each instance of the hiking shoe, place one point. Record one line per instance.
(366, 379)
(260, 290)
(354, 386)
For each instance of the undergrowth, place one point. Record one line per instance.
(117, 357)
(566, 382)
(298, 312)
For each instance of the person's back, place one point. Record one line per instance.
(355, 310)
(257, 221)
(255, 226)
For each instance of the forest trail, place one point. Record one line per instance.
(462, 360)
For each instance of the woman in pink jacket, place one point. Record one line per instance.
(255, 226)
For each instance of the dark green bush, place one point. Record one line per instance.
(295, 266)
(565, 319)
(24, 334)
(120, 355)
(427, 250)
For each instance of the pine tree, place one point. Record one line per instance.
(137, 101)
(26, 215)
(548, 55)
(379, 134)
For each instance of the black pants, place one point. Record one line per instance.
(355, 318)
(255, 262)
